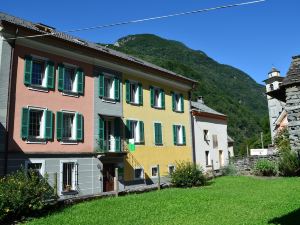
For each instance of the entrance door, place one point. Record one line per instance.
(108, 177)
(109, 135)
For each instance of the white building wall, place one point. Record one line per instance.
(214, 127)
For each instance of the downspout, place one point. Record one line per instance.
(192, 129)
(8, 104)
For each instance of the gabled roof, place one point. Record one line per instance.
(35, 27)
(293, 75)
(200, 106)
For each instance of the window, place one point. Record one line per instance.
(135, 130)
(134, 92)
(271, 87)
(138, 173)
(171, 169)
(109, 87)
(69, 126)
(154, 171)
(109, 134)
(157, 98)
(69, 177)
(207, 158)
(177, 102)
(179, 135)
(70, 79)
(36, 166)
(215, 141)
(206, 135)
(221, 158)
(158, 134)
(38, 73)
(37, 124)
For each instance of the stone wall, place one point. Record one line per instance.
(293, 111)
(245, 165)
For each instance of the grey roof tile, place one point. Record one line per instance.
(204, 108)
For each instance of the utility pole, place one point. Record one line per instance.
(262, 139)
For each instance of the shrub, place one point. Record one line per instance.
(22, 193)
(281, 140)
(289, 164)
(265, 167)
(229, 170)
(187, 174)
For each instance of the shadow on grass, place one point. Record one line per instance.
(291, 218)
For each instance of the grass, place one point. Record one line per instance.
(228, 200)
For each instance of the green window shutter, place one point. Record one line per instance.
(140, 94)
(79, 127)
(173, 101)
(48, 125)
(151, 96)
(183, 136)
(158, 133)
(117, 134)
(25, 123)
(80, 81)
(162, 93)
(117, 88)
(128, 128)
(27, 70)
(50, 75)
(59, 125)
(127, 86)
(182, 102)
(101, 85)
(142, 135)
(174, 135)
(61, 76)
(102, 144)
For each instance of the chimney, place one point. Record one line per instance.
(200, 99)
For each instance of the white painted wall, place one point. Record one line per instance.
(214, 127)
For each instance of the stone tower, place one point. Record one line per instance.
(275, 106)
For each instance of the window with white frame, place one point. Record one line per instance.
(207, 158)
(69, 126)
(154, 171)
(36, 124)
(138, 173)
(69, 179)
(177, 103)
(179, 135)
(35, 165)
(38, 72)
(206, 135)
(171, 169)
(134, 93)
(70, 81)
(109, 87)
(157, 97)
(135, 130)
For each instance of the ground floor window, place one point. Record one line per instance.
(68, 181)
(207, 158)
(171, 169)
(35, 165)
(154, 171)
(138, 173)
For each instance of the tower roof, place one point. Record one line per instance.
(293, 75)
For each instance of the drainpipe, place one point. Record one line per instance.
(192, 130)
(8, 104)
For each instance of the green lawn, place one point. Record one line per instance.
(228, 200)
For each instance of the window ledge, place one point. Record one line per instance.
(69, 192)
(159, 145)
(139, 143)
(134, 103)
(109, 100)
(178, 111)
(71, 94)
(38, 88)
(208, 166)
(36, 142)
(180, 144)
(69, 142)
(157, 107)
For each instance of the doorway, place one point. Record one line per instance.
(108, 177)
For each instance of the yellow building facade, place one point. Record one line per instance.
(157, 146)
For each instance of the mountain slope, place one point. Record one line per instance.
(224, 88)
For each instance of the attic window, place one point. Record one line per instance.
(44, 27)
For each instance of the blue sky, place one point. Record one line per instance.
(251, 38)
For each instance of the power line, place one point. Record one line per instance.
(144, 20)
